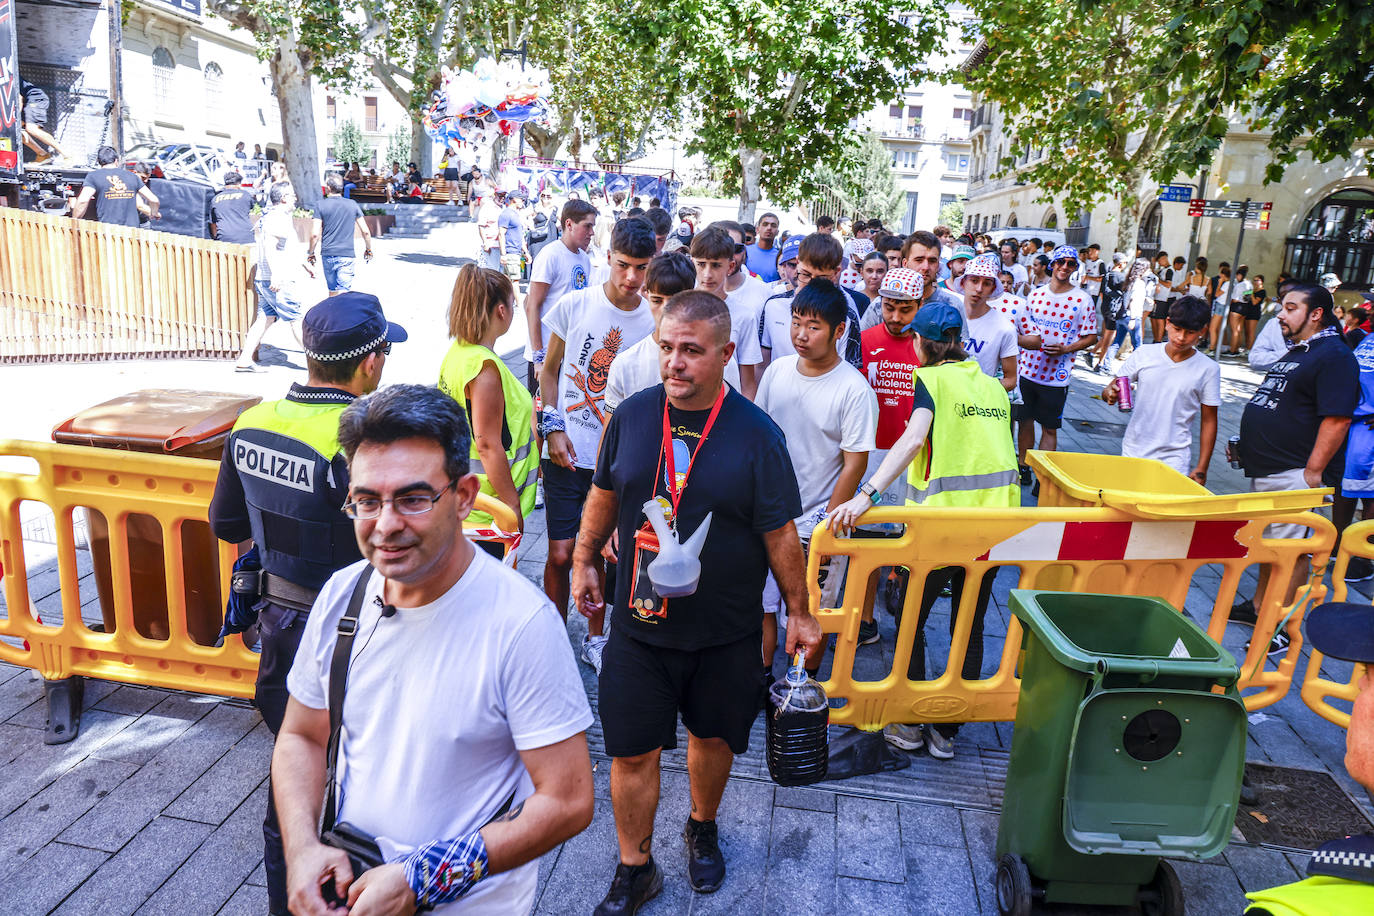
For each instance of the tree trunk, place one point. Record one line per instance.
(1128, 222)
(751, 173)
(543, 141)
(421, 146)
(292, 81)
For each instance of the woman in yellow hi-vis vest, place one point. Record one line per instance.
(957, 451)
(500, 409)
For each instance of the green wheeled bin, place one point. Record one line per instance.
(1129, 746)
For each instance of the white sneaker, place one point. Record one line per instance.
(592, 647)
(940, 747)
(539, 494)
(906, 737)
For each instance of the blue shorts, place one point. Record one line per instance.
(1358, 480)
(280, 304)
(338, 272)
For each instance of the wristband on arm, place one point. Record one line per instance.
(445, 870)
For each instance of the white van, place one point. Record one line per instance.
(1021, 233)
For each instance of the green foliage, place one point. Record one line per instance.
(349, 144)
(952, 215)
(868, 187)
(397, 146)
(779, 80)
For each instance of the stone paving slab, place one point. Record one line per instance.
(156, 807)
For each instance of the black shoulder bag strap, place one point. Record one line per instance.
(338, 678)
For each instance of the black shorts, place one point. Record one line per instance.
(450, 174)
(1044, 404)
(1161, 309)
(565, 492)
(36, 108)
(642, 689)
(1247, 310)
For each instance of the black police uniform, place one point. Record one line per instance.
(282, 483)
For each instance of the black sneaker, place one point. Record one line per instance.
(1278, 647)
(705, 862)
(1359, 569)
(1244, 613)
(631, 888)
(1025, 475)
(894, 594)
(868, 632)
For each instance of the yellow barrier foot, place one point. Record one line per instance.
(859, 753)
(64, 709)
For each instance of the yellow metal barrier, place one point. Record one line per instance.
(1357, 541)
(171, 493)
(1079, 549)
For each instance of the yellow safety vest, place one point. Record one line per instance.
(1318, 896)
(461, 365)
(968, 458)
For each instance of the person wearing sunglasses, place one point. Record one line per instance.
(281, 484)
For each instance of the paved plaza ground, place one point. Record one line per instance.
(156, 807)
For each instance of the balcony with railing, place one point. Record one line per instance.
(982, 119)
(893, 130)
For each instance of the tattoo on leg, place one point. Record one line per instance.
(644, 844)
(510, 815)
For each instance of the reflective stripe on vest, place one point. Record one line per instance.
(961, 483)
(523, 452)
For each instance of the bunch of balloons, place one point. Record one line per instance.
(470, 104)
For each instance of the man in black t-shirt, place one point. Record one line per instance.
(1292, 433)
(696, 655)
(33, 128)
(116, 192)
(336, 218)
(231, 212)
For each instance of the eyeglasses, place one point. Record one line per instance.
(385, 349)
(370, 507)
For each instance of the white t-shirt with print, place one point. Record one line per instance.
(821, 416)
(594, 333)
(989, 340)
(638, 368)
(1060, 318)
(745, 304)
(441, 700)
(1093, 271)
(565, 271)
(1168, 397)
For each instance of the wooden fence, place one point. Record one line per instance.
(80, 290)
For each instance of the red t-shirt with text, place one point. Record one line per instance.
(888, 363)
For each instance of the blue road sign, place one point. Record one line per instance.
(1177, 193)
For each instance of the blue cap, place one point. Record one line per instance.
(1343, 630)
(934, 319)
(1064, 253)
(790, 250)
(349, 325)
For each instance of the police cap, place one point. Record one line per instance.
(349, 325)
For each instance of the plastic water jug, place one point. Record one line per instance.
(798, 716)
(677, 568)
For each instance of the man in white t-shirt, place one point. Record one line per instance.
(715, 253)
(1092, 272)
(990, 339)
(818, 255)
(1067, 322)
(828, 412)
(588, 329)
(1173, 384)
(558, 270)
(462, 747)
(638, 367)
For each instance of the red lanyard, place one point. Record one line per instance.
(666, 453)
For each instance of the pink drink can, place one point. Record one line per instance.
(1124, 401)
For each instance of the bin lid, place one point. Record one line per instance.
(1154, 772)
(155, 419)
(1148, 488)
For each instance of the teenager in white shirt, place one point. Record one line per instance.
(990, 339)
(828, 412)
(1173, 383)
(713, 255)
(560, 267)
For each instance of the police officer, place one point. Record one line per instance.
(957, 451)
(283, 482)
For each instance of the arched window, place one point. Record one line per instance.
(1051, 220)
(1336, 237)
(1011, 221)
(164, 72)
(214, 95)
(1151, 228)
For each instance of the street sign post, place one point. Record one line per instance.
(1230, 209)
